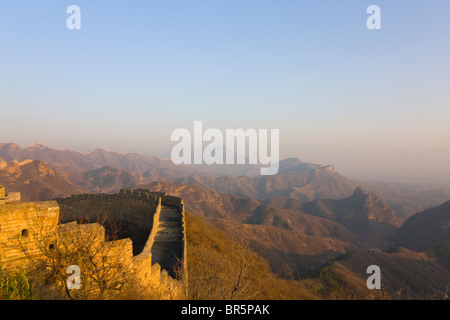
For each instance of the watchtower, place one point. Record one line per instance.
(2, 195)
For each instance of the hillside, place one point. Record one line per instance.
(35, 180)
(284, 237)
(70, 160)
(295, 226)
(212, 257)
(429, 231)
(290, 254)
(73, 165)
(109, 180)
(365, 214)
(426, 228)
(249, 211)
(309, 183)
(405, 274)
(408, 199)
(214, 260)
(295, 180)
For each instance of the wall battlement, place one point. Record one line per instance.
(8, 197)
(2, 195)
(143, 216)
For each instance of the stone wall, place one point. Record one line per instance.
(28, 223)
(118, 207)
(138, 210)
(133, 216)
(13, 197)
(113, 261)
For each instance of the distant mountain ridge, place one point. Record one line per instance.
(299, 220)
(359, 206)
(426, 229)
(75, 161)
(109, 180)
(295, 179)
(283, 235)
(363, 213)
(74, 165)
(35, 180)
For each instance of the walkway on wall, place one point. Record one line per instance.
(168, 244)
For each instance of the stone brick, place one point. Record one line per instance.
(31, 221)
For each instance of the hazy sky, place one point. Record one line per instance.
(374, 103)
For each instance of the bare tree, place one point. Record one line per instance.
(50, 248)
(226, 276)
(287, 269)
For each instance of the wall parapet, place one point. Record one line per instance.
(2, 195)
(141, 207)
(155, 226)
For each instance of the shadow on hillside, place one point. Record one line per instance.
(293, 266)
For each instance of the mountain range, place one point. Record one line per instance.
(35, 180)
(107, 171)
(302, 220)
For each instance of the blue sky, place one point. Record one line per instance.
(373, 103)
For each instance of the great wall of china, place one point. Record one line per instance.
(152, 236)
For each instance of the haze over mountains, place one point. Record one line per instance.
(35, 180)
(107, 171)
(298, 220)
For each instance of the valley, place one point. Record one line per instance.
(312, 230)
